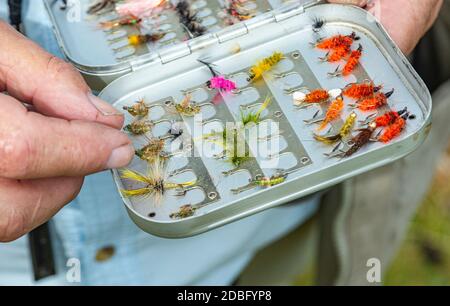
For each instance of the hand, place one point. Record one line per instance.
(406, 21)
(47, 148)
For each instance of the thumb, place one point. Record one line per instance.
(34, 146)
(54, 87)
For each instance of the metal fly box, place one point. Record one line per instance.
(102, 54)
(200, 190)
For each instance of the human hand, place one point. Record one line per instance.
(47, 148)
(406, 21)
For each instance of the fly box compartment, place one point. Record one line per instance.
(283, 124)
(97, 41)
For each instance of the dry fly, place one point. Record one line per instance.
(154, 183)
(139, 109)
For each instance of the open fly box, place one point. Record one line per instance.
(99, 48)
(203, 184)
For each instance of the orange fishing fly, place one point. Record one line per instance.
(353, 61)
(375, 102)
(333, 112)
(360, 90)
(393, 131)
(337, 41)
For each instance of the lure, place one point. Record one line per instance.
(333, 112)
(128, 21)
(361, 90)
(139, 109)
(315, 96)
(337, 54)
(139, 8)
(237, 12)
(353, 61)
(345, 131)
(139, 127)
(184, 212)
(254, 117)
(217, 81)
(387, 119)
(189, 19)
(267, 182)
(187, 107)
(153, 150)
(394, 130)
(154, 183)
(360, 140)
(336, 41)
(231, 140)
(318, 24)
(139, 39)
(101, 5)
(264, 182)
(264, 65)
(375, 102)
(221, 83)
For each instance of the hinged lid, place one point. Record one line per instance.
(77, 38)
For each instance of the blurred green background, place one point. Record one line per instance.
(424, 258)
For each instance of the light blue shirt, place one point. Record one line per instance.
(97, 219)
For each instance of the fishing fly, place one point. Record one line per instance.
(316, 96)
(393, 131)
(184, 212)
(264, 65)
(235, 12)
(218, 82)
(385, 119)
(139, 127)
(126, 21)
(139, 8)
(375, 102)
(317, 24)
(334, 112)
(351, 64)
(140, 39)
(344, 132)
(139, 109)
(359, 141)
(336, 41)
(153, 151)
(254, 117)
(362, 90)
(189, 19)
(187, 107)
(336, 54)
(264, 182)
(154, 183)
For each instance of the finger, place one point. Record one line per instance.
(35, 146)
(360, 3)
(24, 205)
(53, 86)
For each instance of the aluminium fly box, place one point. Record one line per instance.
(285, 161)
(102, 55)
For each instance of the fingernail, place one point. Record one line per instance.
(103, 107)
(120, 157)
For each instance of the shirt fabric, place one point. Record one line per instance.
(98, 219)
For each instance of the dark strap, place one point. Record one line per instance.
(15, 13)
(41, 252)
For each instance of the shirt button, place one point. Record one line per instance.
(105, 254)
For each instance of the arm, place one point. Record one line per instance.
(407, 21)
(47, 148)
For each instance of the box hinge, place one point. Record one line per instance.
(232, 32)
(174, 52)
